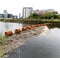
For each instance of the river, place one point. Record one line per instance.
(4, 26)
(43, 46)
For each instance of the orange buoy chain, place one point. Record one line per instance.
(17, 30)
(24, 28)
(9, 33)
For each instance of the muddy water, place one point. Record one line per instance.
(43, 46)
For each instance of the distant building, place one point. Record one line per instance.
(7, 15)
(19, 15)
(27, 11)
(36, 11)
(49, 10)
(15, 17)
(43, 11)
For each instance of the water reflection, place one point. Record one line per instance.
(9, 26)
(42, 46)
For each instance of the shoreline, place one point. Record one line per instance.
(31, 21)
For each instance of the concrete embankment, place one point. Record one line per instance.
(18, 39)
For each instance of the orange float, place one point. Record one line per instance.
(37, 25)
(33, 26)
(28, 27)
(8, 33)
(24, 28)
(17, 30)
(41, 24)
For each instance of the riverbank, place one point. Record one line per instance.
(18, 40)
(32, 21)
(3, 41)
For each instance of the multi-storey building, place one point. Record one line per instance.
(27, 11)
(43, 11)
(7, 15)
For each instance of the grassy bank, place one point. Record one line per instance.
(3, 44)
(32, 21)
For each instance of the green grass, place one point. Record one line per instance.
(31, 20)
(1, 50)
(3, 45)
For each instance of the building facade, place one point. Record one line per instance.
(43, 11)
(27, 11)
(7, 15)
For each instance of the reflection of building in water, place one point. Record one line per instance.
(6, 25)
(9, 26)
(3, 28)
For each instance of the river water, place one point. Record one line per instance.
(9, 26)
(43, 46)
(46, 45)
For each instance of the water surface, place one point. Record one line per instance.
(9, 26)
(43, 46)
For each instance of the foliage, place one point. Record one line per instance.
(1, 39)
(34, 15)
(45, 15)
(55, 12)
(56, 16)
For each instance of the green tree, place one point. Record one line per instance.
(55, 12)
(46, 15)
(59, 16)
(34, 15)
(56, 16)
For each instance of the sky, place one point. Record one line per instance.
(15, 6)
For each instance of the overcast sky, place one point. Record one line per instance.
(15, 6)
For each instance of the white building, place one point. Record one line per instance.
(50, 10)
(47, 10)
(27, 11)
(5, 13)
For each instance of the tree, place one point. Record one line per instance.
(34, 15)
(56, 16)
(45, 15)
(55, 12)
(59, 16)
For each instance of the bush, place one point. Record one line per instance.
(45, 15)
